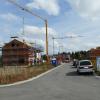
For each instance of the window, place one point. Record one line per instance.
(13, 45)
(21, 60)
(85, 63)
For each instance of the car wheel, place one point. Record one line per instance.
(91, 73)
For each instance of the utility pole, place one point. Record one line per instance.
(53, 45)
(32, 13)
(46, 24)
(23, 26)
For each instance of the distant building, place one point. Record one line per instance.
(64, 57)
(18, 53)
(93, 54)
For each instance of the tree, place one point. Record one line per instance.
(44, 57)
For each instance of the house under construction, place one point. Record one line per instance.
(19, 53)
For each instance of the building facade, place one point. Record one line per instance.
(93, 54)
(18, 53)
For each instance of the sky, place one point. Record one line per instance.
(77, 18)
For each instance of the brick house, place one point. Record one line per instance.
(93, 54)
(18, 53)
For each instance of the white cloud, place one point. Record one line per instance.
(38, 30)
(50, 6)
(9, 17)
(36, 42)
(87, 8)
(42, 43)
(5, 29)
(71, 35)
(1, 41)
(91, 45)
(37, 34)
(33, 40)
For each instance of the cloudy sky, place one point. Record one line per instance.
(65, 18)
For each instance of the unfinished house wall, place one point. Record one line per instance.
(16, 53)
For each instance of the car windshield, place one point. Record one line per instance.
(85, 63)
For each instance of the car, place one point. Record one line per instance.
(66, 60)
(84, 66)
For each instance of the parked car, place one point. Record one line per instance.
(85, 66)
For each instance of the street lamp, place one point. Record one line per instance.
(45, 20)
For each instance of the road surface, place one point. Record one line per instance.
(60, 84)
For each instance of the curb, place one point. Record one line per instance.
(96, 76)
(31, 79)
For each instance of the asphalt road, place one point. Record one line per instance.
(60, 84)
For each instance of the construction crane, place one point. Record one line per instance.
(32, 13)
(65, 37)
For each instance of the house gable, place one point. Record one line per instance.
(15, 44)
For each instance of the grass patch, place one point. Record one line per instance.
(14, 74)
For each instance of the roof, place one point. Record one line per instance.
(24, 41)
(32, 45)
(84, 60)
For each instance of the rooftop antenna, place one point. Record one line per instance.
(23, 31)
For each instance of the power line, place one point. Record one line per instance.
(67, 37)
(61, 39)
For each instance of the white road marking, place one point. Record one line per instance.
(97, 77)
